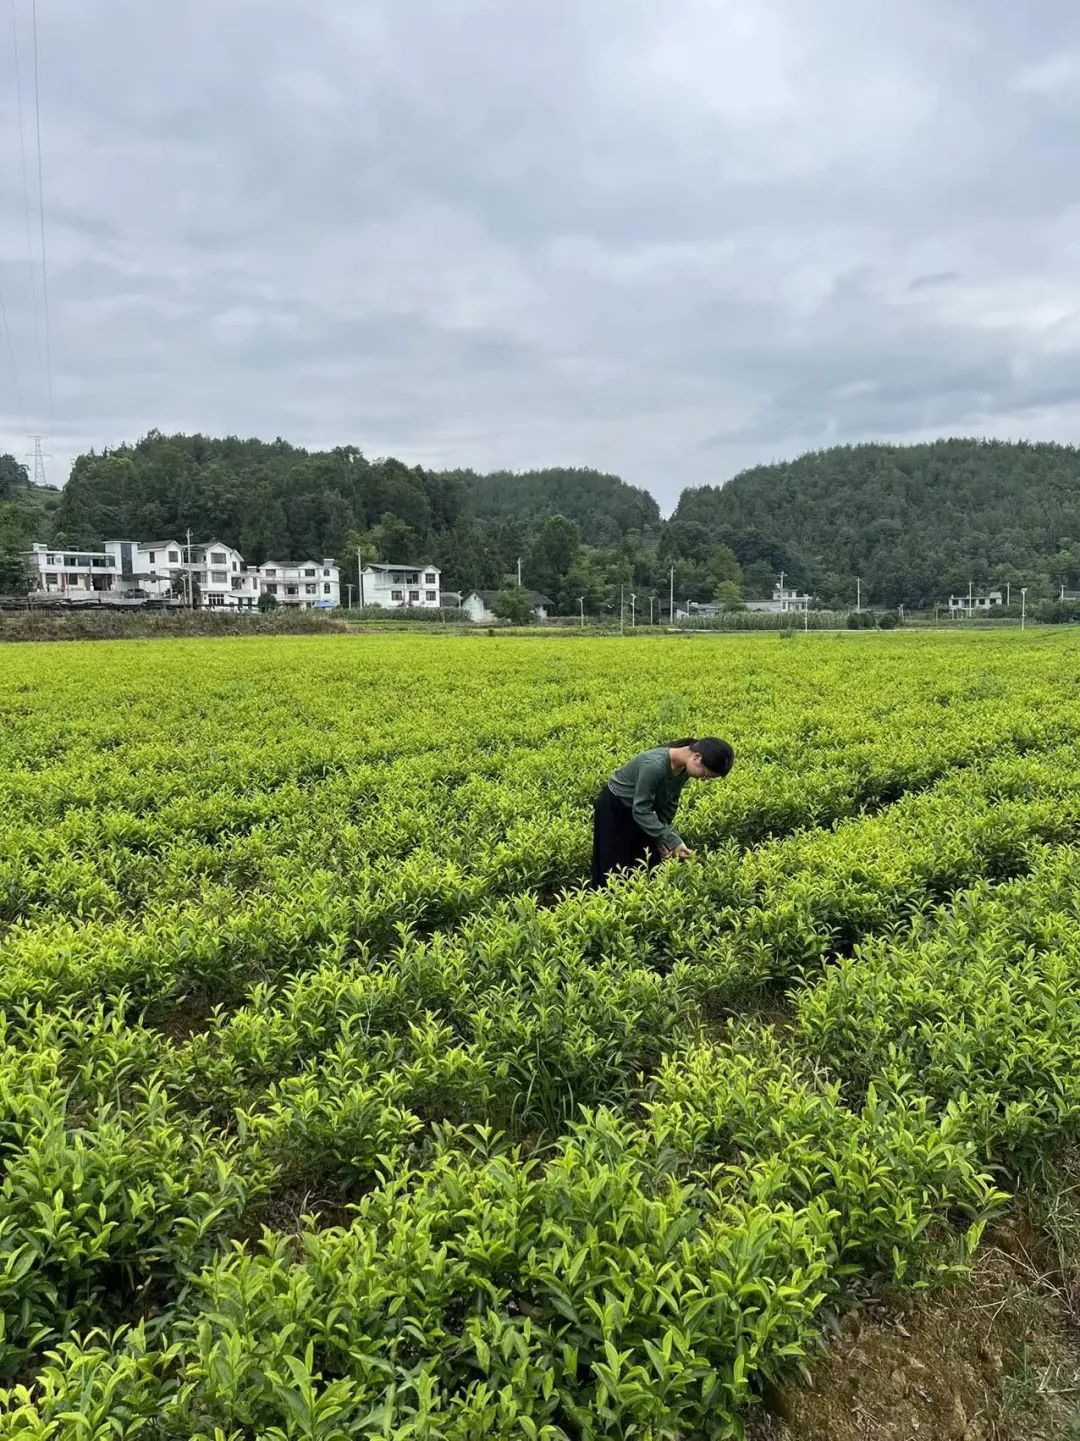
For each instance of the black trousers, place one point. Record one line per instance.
(618, 840)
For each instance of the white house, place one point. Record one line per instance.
(391, 586)
(972, 603)
(76, 574)
(785, 600)
(307, 584)
(224, 581)
(146, 568)
(477, 605)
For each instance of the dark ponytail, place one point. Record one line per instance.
(716, 754)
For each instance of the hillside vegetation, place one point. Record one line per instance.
(915, 523)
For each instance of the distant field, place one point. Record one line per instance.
(333, 1107)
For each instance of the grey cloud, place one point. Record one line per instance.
(670, 240)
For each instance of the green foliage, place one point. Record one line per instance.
(16, 574)
(603, 507)
(267, 602)
(315, 1057)
(916, 522)
(512, 603)
(13, 477)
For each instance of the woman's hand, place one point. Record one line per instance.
(680, 852)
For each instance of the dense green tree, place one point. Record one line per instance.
(13, 476)
(512, 603)
(603, 507)
(551, 557)
(914, 522)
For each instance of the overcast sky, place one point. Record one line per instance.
(669, 238)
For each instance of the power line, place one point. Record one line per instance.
(41, 212)
(14, 365)
(25, 183)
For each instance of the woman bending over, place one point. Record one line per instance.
(633, 814)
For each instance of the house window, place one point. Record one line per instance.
(325, 571)
(309, 572)
(414, 595)
(310, 589)
(153, 558)
(429, 579)
(414, 578)
(50, 560)
(236, 565)
(431, 595)
(326, 587)
(290, 590)
(398, 577)
(270, 570)
(219, 577)
(50, 579)
(271, 590)
(174, 557)
(71, 560)
(395, 595)
(218, 558)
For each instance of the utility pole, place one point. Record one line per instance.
(360, 573)
(622, 623)
(806, 616)
(782, 574)
(671, 599)
(349, 585)
(1023, 606)
(1008, 592)
(519, 570)
(633, 611)
(650, 607)
(190, 589)
(858, 594)
(581, 603)
(969, 600)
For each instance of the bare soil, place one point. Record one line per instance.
(995, 1358)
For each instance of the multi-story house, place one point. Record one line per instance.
(308, 584)
(77, 574)
(392, 586)
(975, 601)
(146, 568)
(785, 600)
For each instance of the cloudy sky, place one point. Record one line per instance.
(669, 238)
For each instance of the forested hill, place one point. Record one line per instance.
(915, 522)
(272, 499)
(603, 507)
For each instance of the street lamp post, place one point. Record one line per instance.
(633, 610)
(581, 603)
(1023, 606)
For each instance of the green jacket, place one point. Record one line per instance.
(652, 791)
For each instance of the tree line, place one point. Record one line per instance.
(916, 523)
